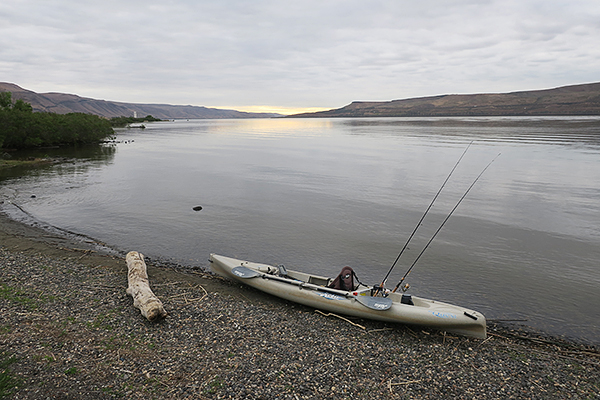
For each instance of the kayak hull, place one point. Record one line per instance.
(311, 290)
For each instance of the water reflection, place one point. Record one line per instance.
(255, 127)
(319, 194)
(580, 131)
(74, 159)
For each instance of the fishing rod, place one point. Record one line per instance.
(422, 218)
(443, 223)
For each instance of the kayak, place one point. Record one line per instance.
(360, 301)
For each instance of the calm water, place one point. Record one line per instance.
(318, 194)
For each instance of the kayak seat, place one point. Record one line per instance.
(344, 281)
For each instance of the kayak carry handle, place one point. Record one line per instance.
(471, 316)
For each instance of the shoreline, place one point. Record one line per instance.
(75, 334)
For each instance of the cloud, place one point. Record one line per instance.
(295, 54)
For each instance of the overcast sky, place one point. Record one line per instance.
(295, 54)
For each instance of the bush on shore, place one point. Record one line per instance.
(121, 122)
(21, 128)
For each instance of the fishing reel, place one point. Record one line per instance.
(377, 289)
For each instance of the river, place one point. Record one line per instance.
(319, 194)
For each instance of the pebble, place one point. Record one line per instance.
(76, 334)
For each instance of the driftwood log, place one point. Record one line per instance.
(139, 288)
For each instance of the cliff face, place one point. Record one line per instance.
(567, 100)
(61, 103)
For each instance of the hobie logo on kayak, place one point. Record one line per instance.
(443, 315)
(380, 306)
(330, 296)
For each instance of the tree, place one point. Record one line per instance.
(5, 100)
(20, 105)
(20, 127)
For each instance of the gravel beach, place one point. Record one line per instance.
(72, 332)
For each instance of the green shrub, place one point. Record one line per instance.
(21, 128)
(121, 122)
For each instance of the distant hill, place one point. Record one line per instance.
(567, 100)
(61, 103)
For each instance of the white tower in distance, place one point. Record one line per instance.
(135, 114)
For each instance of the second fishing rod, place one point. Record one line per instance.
(381, 286)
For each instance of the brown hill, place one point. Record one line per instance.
(61, 103)
(567, 100)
